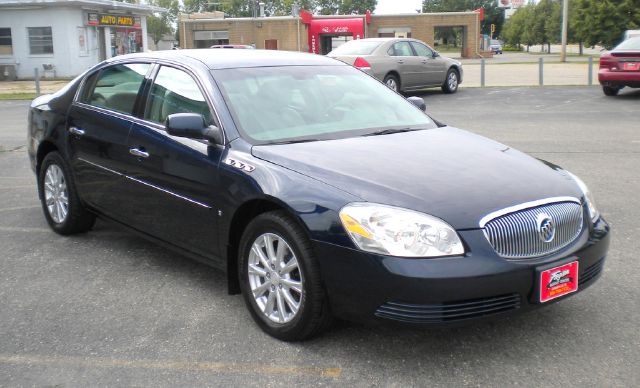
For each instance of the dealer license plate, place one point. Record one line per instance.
(631, 66)
(558, 281)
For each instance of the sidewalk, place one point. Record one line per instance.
(496, 74)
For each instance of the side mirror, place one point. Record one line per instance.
(192, 126)
(435, 54)
(418, 102)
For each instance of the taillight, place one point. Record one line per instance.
(608, 62)
(361, 63)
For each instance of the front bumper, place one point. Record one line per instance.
(443, 291)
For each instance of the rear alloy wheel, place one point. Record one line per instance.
(392, 82)
(280, 279)
(451, 82)
(610, 90)
(62, 207)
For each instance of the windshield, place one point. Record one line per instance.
(356, 47)
(303, 103)
(629, 44)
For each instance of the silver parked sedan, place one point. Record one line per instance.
(402, 64)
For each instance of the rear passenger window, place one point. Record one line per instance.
(175, 91)
(401, 49)
(115, 87)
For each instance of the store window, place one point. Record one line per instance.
(83, 42)
(40, 40)
(6, 45)
(125, 41)
(206, 39)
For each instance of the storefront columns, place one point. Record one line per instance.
(143, 25)
(107, 41)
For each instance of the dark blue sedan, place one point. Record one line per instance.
(318, 190)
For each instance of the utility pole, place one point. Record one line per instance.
(565, 25)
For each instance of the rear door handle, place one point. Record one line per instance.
(400, 61)
(139, 153)
(76, 131)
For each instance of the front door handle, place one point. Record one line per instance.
(76, 131)
(139, 153)
(400, 61)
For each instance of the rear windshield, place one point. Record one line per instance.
(356, 47)
(629, 44)
(308, 103)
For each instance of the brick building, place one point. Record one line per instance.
(320, 34)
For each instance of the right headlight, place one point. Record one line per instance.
(593, 211)
(399, 232)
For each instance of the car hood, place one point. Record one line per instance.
(449, 173)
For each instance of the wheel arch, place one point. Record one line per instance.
(395, 74)
(43, 149)
(239, 221)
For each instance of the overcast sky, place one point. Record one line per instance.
(397, 6)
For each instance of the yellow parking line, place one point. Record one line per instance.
(193, 366)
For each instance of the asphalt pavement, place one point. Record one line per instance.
(108, 308)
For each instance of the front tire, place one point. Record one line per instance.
(62, 208)
(610, 90)
(451, 82)
(280, 278)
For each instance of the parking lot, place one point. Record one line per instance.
(110, 309)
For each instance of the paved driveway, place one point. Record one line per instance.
(110, 309)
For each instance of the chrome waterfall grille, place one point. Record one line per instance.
(534, 230)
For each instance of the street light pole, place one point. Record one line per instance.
(565, 25)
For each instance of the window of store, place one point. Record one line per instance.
(206, 39)
(6, 44)
(40, 40)
(125, 41)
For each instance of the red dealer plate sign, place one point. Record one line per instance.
(558, 281)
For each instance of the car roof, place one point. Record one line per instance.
(216, 59)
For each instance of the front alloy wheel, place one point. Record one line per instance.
(451, 82)
(275, 278)
(280, 278)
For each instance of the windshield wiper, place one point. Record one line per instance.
(293, 141)
(390, 131)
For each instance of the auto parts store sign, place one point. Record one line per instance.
(100, 19)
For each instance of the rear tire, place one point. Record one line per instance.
(451, 81)
(62, 208)
(610, 90)
(280, 278)
(392, 82)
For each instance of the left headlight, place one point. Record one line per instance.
(399, 232)
(593, 211)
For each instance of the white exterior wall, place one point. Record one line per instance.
(64, 23)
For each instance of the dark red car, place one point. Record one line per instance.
(620, 67)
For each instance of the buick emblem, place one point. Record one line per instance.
(546, 227)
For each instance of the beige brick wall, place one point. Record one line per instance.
(285, 30)
(250, 31)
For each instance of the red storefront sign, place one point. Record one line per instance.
(342, 26)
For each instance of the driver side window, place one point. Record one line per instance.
(175, 91)
(422, 50)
